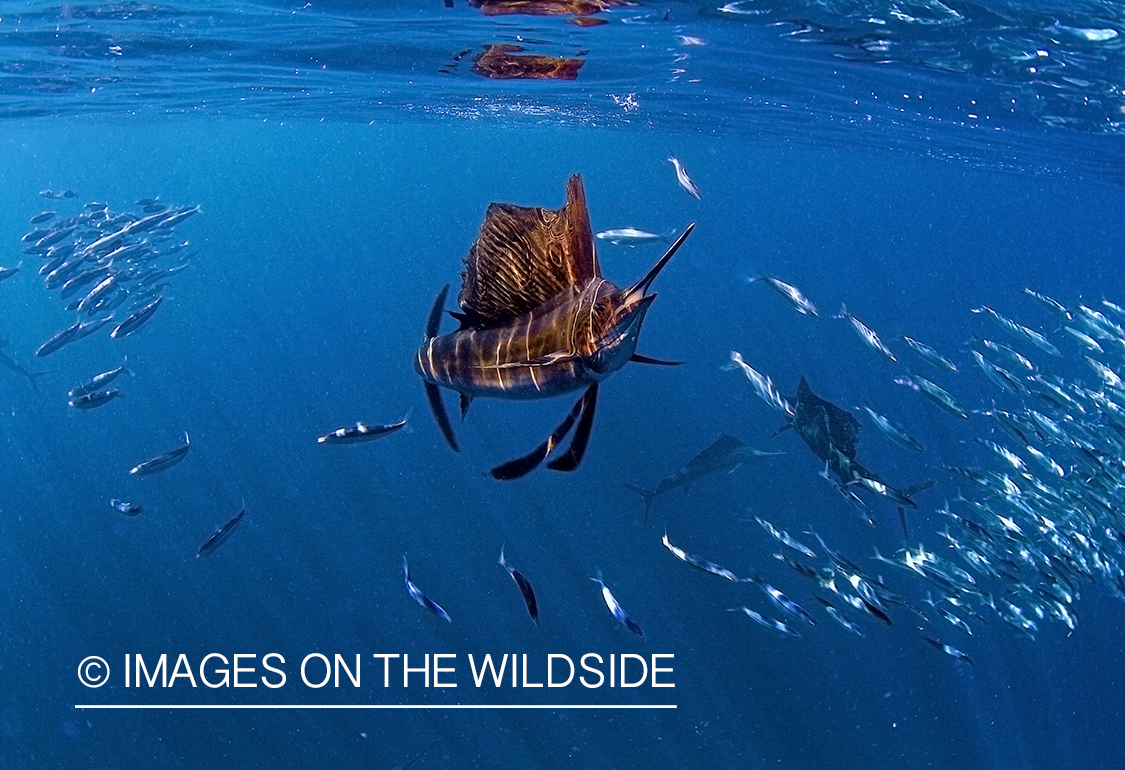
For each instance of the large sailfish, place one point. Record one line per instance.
(537, 319)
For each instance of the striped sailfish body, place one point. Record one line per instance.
(537, 319)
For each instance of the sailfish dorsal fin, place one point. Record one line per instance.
(524, 257)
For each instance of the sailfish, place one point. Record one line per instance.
(537, 320)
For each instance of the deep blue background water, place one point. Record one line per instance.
(322, 245)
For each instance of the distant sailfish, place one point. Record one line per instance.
(726, 453)
(537, 320)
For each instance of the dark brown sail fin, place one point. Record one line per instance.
(637, 358)
(524, 257)
(521, 466)
(572, 457)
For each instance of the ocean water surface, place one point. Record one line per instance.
(914, 162)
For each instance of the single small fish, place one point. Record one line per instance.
(136, 320)
(616, 609)
(935, 393)
(628, 235)
(782, 601)
(893, 430)
(221, 534)
(800, 302)
(1048, 304)
(1012, 355)
(174, 219)
(1084, 339)
(360, 432)
(94, 400)
(524, 585)
(420, 597)
(42, 216)
(129, 509)
(697, 561)
(762, 384)
(58, 341)
(1001, 377)
(8, 272)
(869, 337)
(162, 462)
(953, 651)
(683, 178)
(99, 381)
(929, 354)
(777, 625)
(107, 284)
(835, 614)
(57, 195)
(783, 537)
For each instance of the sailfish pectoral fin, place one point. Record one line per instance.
(637, 358)
(572, 457)
(466, 400)
(521, 466)
(433, 323)
(440, 415)
(433, 394)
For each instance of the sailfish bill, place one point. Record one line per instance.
(537, 320)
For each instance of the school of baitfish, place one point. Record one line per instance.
(1027, 531)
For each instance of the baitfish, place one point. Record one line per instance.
(537, 320)
(683, 178)
(420, 597)
(869, 337)
(929, 354)
(629, 236)
(129, 509)
(952, 651)
(935, 393)
(361, 432)
(783, 537)
(162, 462)
(136, 320)
(221, 534)
(767, 391)
(893, 430)
(779, 626)
(524, 585)
(800, 302)
(94, 399)
(697, 561)
(616, 609)
(99, 381)
(8, 272)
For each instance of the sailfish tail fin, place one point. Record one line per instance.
(647, 495)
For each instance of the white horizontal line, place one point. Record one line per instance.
(376, 706)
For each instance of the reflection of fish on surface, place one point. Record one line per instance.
(537, 320)
(726, 453)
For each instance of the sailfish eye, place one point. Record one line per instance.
(601, 309)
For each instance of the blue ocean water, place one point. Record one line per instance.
(913, 161)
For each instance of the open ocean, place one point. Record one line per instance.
(914, 160)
